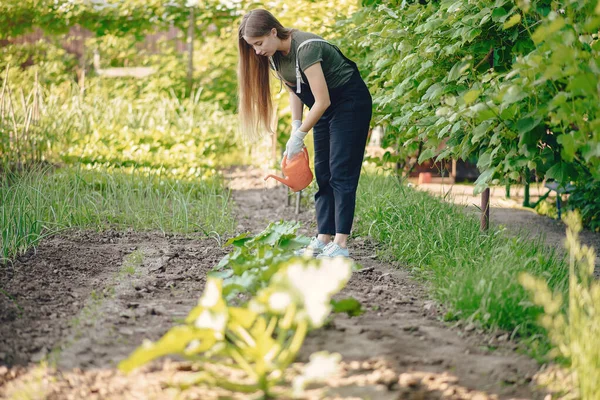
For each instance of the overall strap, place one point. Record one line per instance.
(274, 67)
(298, 75)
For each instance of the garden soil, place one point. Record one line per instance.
(71, 309)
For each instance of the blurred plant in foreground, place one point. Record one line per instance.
(575, 329)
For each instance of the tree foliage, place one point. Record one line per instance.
(514, 84)
(117, 17)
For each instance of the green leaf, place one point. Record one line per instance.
(246, 283)
(513, 94)
(482, 182)
(480, 131)
(560, 172)
(242, 316)
(293, 243)
(530, 138)
(544, 31)
(472, 34)
(569, 146)
(583, 84)
(433, 92)
(454, 7)
(174, 341)
(426, 155)
(350, 306)
(458, 69)
(274, 232)
(592, 24)
(499, 14)
(526, 124)
(221, 274)
(388, 11)
(484, 160)
(382, 63)
(471, 96)
(514, 20)
(426, 82)
(482, 112)
(238, 240)
(450, 100)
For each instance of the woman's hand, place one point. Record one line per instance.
(295, 144)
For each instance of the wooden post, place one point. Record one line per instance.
(485, 209)
(507, 190)
(190, 43)
(82, 64)
(453, 172)
(485, 196)
(298, 197)
(526, 202)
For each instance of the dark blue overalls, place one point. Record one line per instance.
(340, 137)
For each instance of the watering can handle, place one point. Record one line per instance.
(284, 161)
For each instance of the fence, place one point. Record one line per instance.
(74, 41)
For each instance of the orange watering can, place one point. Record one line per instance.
(297, 172)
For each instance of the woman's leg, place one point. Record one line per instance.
(324, 198)
(349, 129)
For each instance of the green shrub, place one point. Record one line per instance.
(585, 199)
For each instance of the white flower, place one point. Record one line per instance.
(316, 283)
(322, 365)
(279, 301)
(212, 320)
(211, 295)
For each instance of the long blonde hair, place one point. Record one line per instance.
(255, 105)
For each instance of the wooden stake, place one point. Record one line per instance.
(2, 95)
(485, 209)
(190, 40)
(36, 98)
(298, 198)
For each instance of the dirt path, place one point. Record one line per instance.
(86, 300)
(401, 328)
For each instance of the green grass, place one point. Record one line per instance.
(41, 203)
(474, 274)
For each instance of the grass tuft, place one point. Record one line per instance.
(38, 203)
(474, 274)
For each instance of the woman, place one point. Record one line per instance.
(317, 75)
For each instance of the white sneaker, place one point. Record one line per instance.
(334, 250)
(315, 246)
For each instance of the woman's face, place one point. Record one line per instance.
(264, 45)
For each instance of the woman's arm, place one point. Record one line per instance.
(296, 105)
(318, 86)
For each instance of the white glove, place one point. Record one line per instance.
(295, 125)
(296, 142)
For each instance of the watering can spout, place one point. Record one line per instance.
(280, 179)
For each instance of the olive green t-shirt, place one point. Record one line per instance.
(336, 69)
